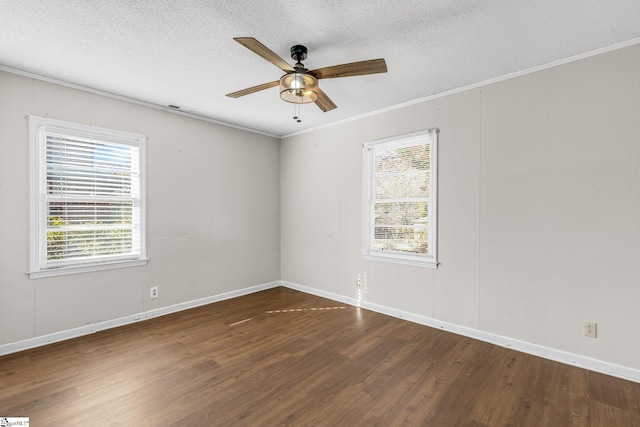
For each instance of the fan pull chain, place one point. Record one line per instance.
(296, 113)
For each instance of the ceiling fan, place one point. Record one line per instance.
(300, 85)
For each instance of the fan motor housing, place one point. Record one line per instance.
(299, 52)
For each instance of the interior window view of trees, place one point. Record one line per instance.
(87, 197)
(90, 191)
(401, 208)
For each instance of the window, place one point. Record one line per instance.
(400, 199)
(87, 198)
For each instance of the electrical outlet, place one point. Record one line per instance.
(590, 329)
(153, 292)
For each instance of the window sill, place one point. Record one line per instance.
(401, 259)
(61, 271)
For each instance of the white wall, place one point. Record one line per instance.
(213, 210)
(539, 209)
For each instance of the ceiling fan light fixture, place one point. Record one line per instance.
(298, 88)
(299, 85)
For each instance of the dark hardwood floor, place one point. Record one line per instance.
(281, 357)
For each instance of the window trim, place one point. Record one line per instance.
(368, 250)
(38, 126)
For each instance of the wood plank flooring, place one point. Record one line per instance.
(281, 357)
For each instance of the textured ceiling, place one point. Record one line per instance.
(182, 52)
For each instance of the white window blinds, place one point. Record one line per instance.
(400, 203)
(89, 185)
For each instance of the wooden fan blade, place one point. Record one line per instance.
(372, 66)
(253, 89)
(324, 102)
(261, 50)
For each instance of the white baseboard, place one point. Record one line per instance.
(522, 346)
(95, 327)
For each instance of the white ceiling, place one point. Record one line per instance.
(182, 52)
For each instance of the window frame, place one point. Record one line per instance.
(369, 252)
(39, 127)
